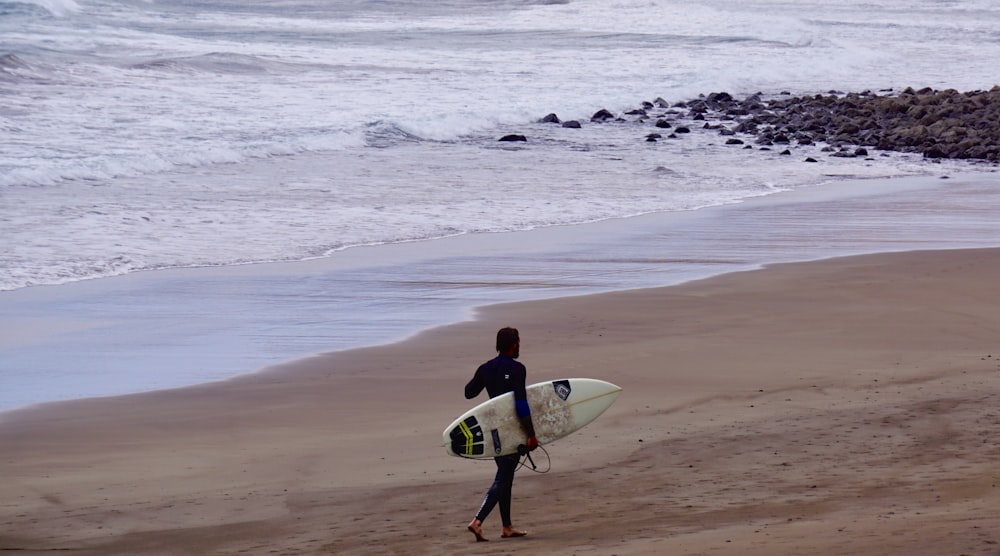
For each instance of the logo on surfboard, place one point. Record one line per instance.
(562, 388)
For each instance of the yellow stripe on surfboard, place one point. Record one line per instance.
(468, 437)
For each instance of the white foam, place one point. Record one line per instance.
(252, 127)
(57, 8)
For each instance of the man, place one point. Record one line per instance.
(499, 376)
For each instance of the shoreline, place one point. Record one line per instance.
(803, 407)
(239, 320)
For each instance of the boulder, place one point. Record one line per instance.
(602, 115)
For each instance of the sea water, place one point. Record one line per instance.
(143, 135)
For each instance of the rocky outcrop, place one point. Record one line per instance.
(937, 124)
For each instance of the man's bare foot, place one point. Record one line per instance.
(476, 528)
(509, 532)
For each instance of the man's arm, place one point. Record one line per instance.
(475, 386)
(524, 413)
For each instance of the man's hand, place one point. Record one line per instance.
(532, 443)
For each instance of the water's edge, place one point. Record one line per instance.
(180, 327)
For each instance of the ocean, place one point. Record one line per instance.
(150, 151)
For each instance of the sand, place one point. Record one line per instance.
(846, 406)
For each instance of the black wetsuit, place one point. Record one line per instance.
(499, 376)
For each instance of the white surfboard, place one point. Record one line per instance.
(558, 408)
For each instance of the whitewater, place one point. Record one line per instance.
(153, 134)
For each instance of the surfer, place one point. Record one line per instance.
(498, 376)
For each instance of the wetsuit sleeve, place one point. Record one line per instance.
(521, 393)
(475, 386)
(521, 402)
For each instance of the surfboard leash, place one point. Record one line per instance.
(526, 456)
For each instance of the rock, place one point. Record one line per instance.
(734, 141)
(935, 124)
(572, 124)
(935, 151)
(550, 119)
(513, 137)
(602, 115)
(720, 97)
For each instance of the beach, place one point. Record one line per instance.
(252, 252)
(840, 406)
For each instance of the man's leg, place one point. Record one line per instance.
(505, 478)
(494, 495)
(504, 484)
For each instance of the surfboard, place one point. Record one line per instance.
(558, 408)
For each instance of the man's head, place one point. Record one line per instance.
(508, 342)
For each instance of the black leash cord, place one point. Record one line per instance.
(523, 450)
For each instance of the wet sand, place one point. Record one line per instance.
(845, 406)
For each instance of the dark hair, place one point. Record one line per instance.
(506, 338)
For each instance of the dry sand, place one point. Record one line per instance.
(849, 406)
